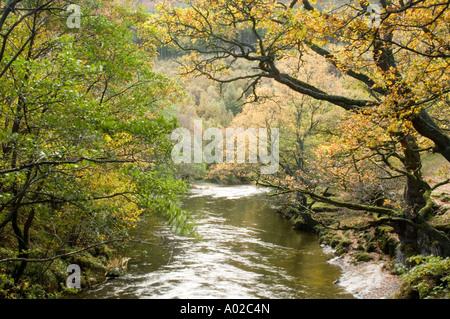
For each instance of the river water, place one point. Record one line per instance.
(246, 251)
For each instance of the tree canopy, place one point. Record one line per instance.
(397, 56)
(85, 137)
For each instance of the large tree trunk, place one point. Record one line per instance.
(414, 189)
(417, 236)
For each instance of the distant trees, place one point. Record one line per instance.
(215, 104)
(301, 120)
(398, 57)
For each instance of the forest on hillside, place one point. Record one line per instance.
(90, 96)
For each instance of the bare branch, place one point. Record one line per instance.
(42, 260)
(57, 163)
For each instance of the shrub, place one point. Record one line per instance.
(430, 277)
(24, 290)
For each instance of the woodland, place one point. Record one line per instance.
(359, 92)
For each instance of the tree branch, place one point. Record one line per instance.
(57, 163)
(42, 260)
(337, 203)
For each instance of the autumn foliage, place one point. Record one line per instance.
(84, 138)
(393, 63)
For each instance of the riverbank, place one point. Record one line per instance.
(363, 256)
(368, 280)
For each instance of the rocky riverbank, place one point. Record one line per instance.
(362, 256)
(367, 280)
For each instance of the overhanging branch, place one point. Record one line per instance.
(42, 260)
(57, 163)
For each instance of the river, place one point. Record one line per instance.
(246, 251)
